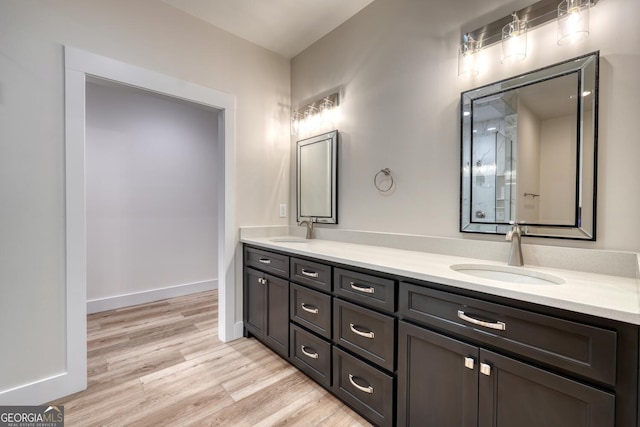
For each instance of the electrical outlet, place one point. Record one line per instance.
(283, 210)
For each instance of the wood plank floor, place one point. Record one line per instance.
(162, 364)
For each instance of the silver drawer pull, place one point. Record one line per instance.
(369, 334)
(308, 354)
(309, 308)
(264, 260)
(501, 326)
(367, 389)
(366, 290)
(309, 273)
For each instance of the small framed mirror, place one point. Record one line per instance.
(317, 178)
(529, 150)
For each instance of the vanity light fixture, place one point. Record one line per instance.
(573, 21)
(318, 116)
(572, 18)
(514, 40)
(468, 57)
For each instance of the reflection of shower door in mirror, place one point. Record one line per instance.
(493, 183)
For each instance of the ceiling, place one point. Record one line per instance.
(286, 27)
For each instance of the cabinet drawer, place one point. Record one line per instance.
(570, 346)
(271, 262)
(311, 273)
(373, 291)
(311, 309)
(364, 332)
(311, 354)
(366, 389)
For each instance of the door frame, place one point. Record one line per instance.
(78, 65)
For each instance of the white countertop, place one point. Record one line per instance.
(610, 297)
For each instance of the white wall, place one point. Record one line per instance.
(528, 167)
(395, 64)
(146, 33)
(152, 206)
(558, 170)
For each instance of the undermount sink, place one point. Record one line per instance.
(507, 274)
(289, 240)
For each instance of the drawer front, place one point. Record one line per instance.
(311, 354)
(373, 291)
(311, 309)
(312, 274)
(364, 332)
(364, 388)
(574, 347)
(270, 262)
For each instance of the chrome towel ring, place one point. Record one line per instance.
(386, 176)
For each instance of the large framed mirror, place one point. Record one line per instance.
(317, 178)
(529, 151)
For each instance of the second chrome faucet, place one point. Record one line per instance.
(515, 237)
(309, 224)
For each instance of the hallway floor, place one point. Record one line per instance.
(161, 364)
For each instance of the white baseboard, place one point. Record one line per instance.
(119, 301)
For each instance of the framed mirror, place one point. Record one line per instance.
(317, 178)
(529, 151)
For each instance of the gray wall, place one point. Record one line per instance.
(152, 209)
(145, 33)
(395, 64)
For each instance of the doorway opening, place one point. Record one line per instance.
(80, 66)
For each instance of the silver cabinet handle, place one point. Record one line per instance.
(309, 273)
(485, 369)
(309, 308)
(469, 362)
(366, 290)
(308, 354)
(262, 281)
(264, 260)
(367, 389)
(501, 326)
(369, 334)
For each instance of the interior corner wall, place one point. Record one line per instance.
(395, 65)
(148, 34)
(151, 185)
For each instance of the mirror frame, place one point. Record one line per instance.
(333, 138)
(576, 231)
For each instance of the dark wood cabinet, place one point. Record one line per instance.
(405, 352)
(266, 309)
(255, 306)
(437, 379)
(512, 393)
(446, 382)
(366, 389)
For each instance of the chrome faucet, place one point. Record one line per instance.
(515, 237)
(309, 224)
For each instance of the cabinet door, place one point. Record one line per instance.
(276, 333)
(437, 379)
(519, 395)
(254, 302)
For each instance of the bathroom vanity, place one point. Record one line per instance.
(404, 339)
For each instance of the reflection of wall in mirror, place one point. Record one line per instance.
(528, 166)
(558, 170)
(315, 179)
(547, 167)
